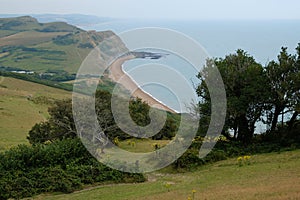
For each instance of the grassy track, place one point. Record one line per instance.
(269, 176)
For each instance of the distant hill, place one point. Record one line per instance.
(74, 19)
(26, 44)
(27, 23)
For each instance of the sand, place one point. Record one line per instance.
(118, 75)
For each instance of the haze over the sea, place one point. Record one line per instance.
(262, 39)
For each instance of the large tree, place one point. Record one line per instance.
(59, 126)
(61, 122)
(283, 78)
(246, 91)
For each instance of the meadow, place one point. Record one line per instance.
(26, 44)
(22, 105)
(31, 38)
(264, 176)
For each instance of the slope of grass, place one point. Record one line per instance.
(25, 23)
(26, 44)
(37, 51)
(268, 176)
(28, 38)
(4, 33)
(23, 104)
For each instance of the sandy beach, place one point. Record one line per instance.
(118, 75)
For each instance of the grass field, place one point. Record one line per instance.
(18, 113)
(4, 33)
(28, 38)
(26, 44)
(42, 54)
(268, 176)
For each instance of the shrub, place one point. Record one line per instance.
(215, 155)
(65, 39)
(189, 160)
(61, 166)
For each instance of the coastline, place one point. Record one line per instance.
(118, 75)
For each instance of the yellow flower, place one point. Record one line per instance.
(189, 198)
(247, 157)
(193, 191)
(133, 144)
(239, 158)
(168, 185)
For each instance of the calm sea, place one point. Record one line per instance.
(261, 39)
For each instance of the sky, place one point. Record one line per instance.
(160, 9)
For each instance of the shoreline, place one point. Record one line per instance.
(118, 75)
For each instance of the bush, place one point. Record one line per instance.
(87, 45)
(62, 166)
(215, 155)
(225, 149)
(65, 39)
(189, 160)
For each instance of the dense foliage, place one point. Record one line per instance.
(61, 166)
(65, 39)
(283, 139)
(61, 123)
(57, 160)
(254, 93)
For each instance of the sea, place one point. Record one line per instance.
(261, 39)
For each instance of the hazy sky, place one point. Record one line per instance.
(163, 9)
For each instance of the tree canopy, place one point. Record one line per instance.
(61, 122)
(254, 92)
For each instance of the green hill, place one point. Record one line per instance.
(22, 105)
(267, 176)
(52, 52)
(27, 23)
(26, 44)
(74, 19)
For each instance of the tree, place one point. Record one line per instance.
(40, 133)
(283, 78)
(59, 126)
(62, 119)
(296, 96)
(246, 91)
(61, 123)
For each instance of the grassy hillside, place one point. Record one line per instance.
(25, 23)
(53, 51)
(26, 44)
(22, 105)
(74, 19)
(268, 176)
(28, 38)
